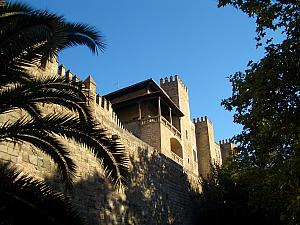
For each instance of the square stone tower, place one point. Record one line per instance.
(209, 152)
(178, 92)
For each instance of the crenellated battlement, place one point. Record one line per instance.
(102, 105)
(228, 148)
(105, 106)
(171, 80)
(225, 141)
(61, 70)
(201, 120)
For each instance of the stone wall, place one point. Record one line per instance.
(159, 190)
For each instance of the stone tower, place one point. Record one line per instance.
(160, 116)
(178, 92)
(227, 149)
(208, 151)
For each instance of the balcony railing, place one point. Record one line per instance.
(156, 119)
(171, 127)
(153, 119)
(176, 158)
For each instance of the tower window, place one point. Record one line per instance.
(186, 134)
(194, 155)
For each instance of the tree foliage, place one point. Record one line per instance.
(265, 100)
(266, 96)
(225, 200)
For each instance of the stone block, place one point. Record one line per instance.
(25, 157)
(13, 158)
(13, 152)
(33, 159)
(3, 147)
(40, 162)
(47, 164)
(4, 156)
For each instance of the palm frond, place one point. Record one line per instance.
(48, 90)
(30, 38)
(55, 150)
(23, 32)
(22, 131)
(110, 152)
(43, 33)
(32, 109)
(12, 76)
(34, 201)
(7, 7)
(83, 34)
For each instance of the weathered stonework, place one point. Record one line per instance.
(162, 181)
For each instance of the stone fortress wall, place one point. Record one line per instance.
(161, 186)
(160, 191)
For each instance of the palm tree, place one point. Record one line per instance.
(31, 38)
(25, 200)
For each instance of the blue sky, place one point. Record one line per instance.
(145, 39)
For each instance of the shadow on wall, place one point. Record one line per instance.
(158, 192)
(94, 198)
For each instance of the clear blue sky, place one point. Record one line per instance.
(145, 39)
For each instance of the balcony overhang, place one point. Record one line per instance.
(155, 91)
(149, 96)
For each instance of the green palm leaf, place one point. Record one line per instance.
(112, 155)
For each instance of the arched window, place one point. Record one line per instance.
(176, 147)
